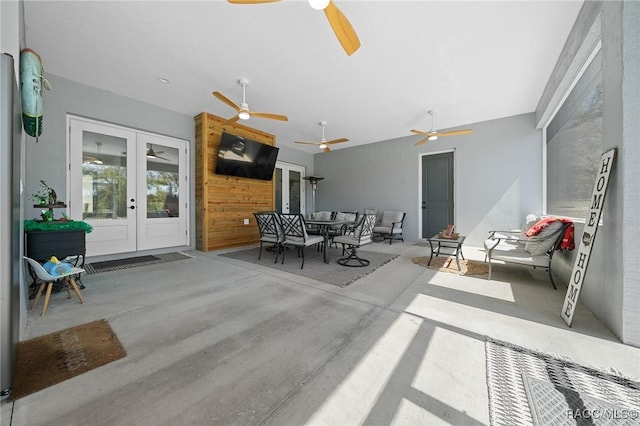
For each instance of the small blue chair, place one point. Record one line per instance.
(46, 278)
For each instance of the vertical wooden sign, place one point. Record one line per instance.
(588, 236)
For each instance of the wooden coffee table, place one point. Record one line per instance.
(455, 244)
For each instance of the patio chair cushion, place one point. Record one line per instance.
(345, 216)
(389, 217)
(543, 242)
(322, 215)
(387, 230)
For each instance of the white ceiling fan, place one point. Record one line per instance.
(243, 110)
(324, 143)
(87, 158)
(154, 154)
(433, 135)
(339, 23)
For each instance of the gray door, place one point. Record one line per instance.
(437, 193)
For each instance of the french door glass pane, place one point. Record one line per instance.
(279, 190)
(163, 183)
(294, 191)
(104, 176)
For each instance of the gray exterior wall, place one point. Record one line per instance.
(11, 41)
(498, 177)
(617, 300)
(629, 67)
(611, 289)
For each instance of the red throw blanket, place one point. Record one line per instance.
(567, 239)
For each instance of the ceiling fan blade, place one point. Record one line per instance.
(251, 1)
(419, 132)
(269, 116)
(308, 143)
(456, 132)
(336, 141)
(326, 149)
(226, 100)
(421, 141)
(342, 28)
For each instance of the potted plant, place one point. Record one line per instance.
(45, 195)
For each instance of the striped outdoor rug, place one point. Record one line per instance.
(533, 388)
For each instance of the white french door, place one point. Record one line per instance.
(162, 192)
(290, 189)
(130, 186)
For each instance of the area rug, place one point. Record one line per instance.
(314, 266)
(448, 264)
(533, 388)
(132, 262)
(50, 359)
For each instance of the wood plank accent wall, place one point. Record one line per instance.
(223, 202)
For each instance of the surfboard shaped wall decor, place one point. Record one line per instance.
(31, 81)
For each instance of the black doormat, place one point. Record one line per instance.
(133, 262)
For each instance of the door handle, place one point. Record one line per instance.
(132, 207)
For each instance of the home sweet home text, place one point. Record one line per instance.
(588, 235)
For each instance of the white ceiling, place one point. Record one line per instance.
(468, 61)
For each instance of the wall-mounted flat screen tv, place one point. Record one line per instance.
(245, 158)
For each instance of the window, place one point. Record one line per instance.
(574, 145)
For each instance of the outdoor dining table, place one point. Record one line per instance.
(324, 226)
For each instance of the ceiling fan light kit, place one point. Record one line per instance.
(324, 143)
(433, 135)
(243, 111)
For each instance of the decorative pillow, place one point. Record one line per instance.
(541, 243)
(529, 221)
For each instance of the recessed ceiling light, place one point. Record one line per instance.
(164, 80)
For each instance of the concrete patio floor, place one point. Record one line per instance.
(215, 341)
